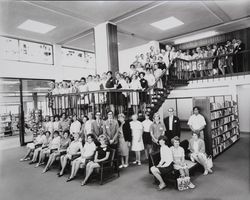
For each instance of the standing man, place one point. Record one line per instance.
(172, 124)
(197, 122)
(97, 125)
(110, 129)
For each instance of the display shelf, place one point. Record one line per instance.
(222, 129)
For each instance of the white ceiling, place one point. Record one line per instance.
(75, 19)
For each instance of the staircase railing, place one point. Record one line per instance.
(118, 100)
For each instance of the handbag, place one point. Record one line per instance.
(182, 183)
(209, 162)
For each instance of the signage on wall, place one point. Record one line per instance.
(9, 48)
(76, 58)
(35, 52)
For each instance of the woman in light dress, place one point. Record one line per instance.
(157, 74)
(134, 96)
(137, 141)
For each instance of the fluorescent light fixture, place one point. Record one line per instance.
(168, 23)
(35, 26)
(9, 82)
(195, 37)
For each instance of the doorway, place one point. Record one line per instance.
(21, 100)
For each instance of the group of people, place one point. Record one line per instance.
(88, 141)
(86, 87)
(192, 63)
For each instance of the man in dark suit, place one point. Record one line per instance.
(172, 124)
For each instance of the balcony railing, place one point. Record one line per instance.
(212, 67)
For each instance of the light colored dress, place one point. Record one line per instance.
(178, 154)
(134, 96)
(137, 130)
(123, 145)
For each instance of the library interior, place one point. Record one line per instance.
(125, 99)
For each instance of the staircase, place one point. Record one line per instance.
(161, 94)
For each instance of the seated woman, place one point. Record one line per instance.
(54, 145)
(37, 142)
(87, 152)
(102, 154)
(179, 159)
(73, 149)
(64, 143)
(45, 143)
(165, 165)
(197, 148)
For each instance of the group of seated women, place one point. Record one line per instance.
(174, 158)
(56, 147)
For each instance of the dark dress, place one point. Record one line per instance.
(110, 95)
(103, 151)
(143, 94)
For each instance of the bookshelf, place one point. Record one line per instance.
(222, 129)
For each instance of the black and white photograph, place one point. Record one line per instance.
(124, 100)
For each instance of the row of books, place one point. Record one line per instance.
(222, 121)
(222, 146)
(221, 113)
(225, 136)
(215, 106)
(222, 129)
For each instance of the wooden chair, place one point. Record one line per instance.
(108, 168)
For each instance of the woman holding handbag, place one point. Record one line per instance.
(197, 148)
(179, 160)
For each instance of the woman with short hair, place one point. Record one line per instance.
(54, 145)
(179, 159)
(38, 141)
(73, 149)
(87, 151)
(137, 142)
(64, 143)
(197, 148)
(102, 154)
(124, 140)
(165, 165)
(45, 143)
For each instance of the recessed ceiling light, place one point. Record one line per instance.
(168, 23)
(196, 37)
(35, 26)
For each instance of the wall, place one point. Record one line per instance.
(127, 56)
(243, 92)
(238, 87)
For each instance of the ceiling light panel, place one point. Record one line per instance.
(35, 26)
(168, 23)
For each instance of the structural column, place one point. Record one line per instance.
(106, 48)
